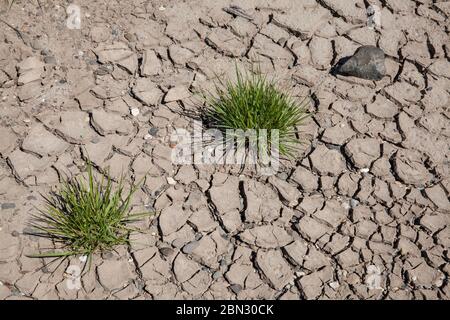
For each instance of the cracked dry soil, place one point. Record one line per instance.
(363, 213)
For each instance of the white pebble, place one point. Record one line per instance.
(83, 258)
(171, 181)
(147, 136)
(364, 170)
(334, 284)
(134, 112)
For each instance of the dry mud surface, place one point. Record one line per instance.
(362, 214)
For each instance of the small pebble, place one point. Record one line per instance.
(8, 205)
(134, 112)
(188, 248)
(153, 131)
(166, 251)
(236, 288)
(171, 181)
(354, 203)
(334, 284)
(364, 170)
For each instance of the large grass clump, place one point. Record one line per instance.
(87, 215)
(255, 102)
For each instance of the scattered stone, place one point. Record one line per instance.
(367, 63)
(7, 205)
(190, 247)
(171, 181)
(153, 131)
(236, 288)
(134, 112)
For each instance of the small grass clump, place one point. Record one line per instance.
(87, 215)
(255, 102)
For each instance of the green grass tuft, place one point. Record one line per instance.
(255, 102)
(86, 215)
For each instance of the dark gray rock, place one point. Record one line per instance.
(153, 131)
(366, 63)
(8, 205)
(190, 247)
(236, 288)
(166, 251)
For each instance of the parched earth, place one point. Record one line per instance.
(363, 213)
